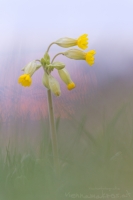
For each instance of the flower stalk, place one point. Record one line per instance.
(56, 56)
(50, 46)
(53, 133)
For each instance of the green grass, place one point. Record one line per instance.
(86, 161)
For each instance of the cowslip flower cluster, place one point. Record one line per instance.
(48, 80)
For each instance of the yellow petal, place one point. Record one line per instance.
(82, 41)
(71, 86)
(25, 80)
(90, 57)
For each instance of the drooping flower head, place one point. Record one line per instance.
(54, 85)
(77, 54)
(64, 75)
(51, 83)
(25, 79)
(81, 42)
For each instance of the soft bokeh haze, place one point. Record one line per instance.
(94, 121)
(28, 27)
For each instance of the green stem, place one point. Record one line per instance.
(53, 133)
(50, 46)
(56, 56)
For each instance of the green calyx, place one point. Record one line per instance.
(56, 65)
(50, 67)
(45, 60)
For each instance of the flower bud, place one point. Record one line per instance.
(64, 75)
(45, 80)
(66, 42)
(51, 83)
(75, 54)
(71, 85)
(54, 85)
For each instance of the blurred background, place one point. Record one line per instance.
(95, 120)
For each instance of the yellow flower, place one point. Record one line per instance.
(25, 80)
(81, 55)
(82, 41)
(64, 75)
(90, 57)
(66, 42)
